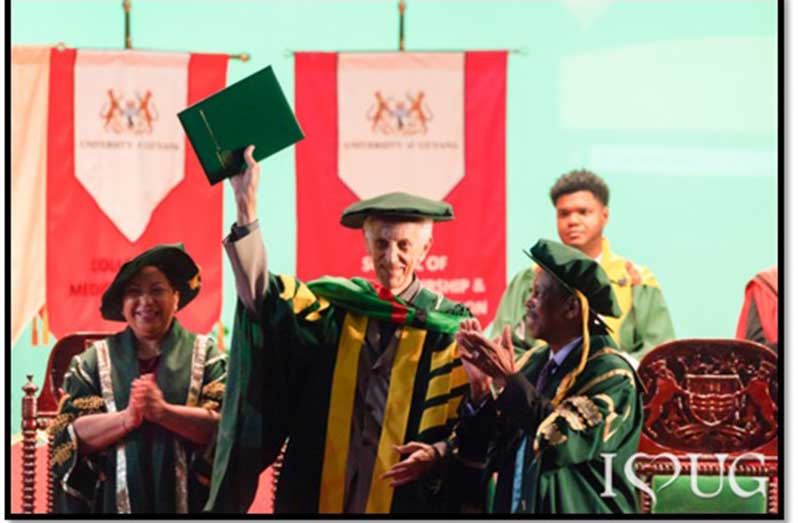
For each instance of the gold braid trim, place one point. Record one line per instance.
(571, 417)
(88, 403)
(608, 375)
(587, 409)
(627, 412)
(59, 423)
(578, 411)
(602, 352)
(213, 391)
(611, 415)
(549, 431)
(63, 453)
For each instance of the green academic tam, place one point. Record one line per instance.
(396, 205)
(576, 271)
(172, 260)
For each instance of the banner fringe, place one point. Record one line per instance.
(34, 332)
(45, 325)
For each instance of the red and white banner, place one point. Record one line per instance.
(431, 124)
(121, 178)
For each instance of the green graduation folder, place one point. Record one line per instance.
(251, 111)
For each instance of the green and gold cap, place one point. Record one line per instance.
(172, 260)
(576, 271)
(398, 205)
(585, 279)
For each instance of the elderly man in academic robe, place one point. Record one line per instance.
(360, 381)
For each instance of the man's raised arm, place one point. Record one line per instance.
(244, 244)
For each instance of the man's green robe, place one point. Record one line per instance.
(563, 467)
(644, 322)
(293, 373)
(129, 477)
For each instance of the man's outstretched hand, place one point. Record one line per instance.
(423, 457)
(494, 358)
(245, 189)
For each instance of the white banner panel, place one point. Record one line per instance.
(126, 126)
(400, 123)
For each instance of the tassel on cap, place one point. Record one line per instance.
(570, 378)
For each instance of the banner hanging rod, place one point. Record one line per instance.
(522, 51)
(244, 57)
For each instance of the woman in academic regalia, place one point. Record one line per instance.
(140, 408)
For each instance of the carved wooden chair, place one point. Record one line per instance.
(38, 412)
(710, 429)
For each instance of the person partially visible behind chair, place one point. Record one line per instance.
(581, 202)
(759, 317)
(140, 407)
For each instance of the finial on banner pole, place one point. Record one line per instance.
(128, 39)
(402, 7)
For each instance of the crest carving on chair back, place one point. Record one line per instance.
(710, 395)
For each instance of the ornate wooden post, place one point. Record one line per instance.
(29, 427)
(43, 425)
(645, 499)
(773, 494)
